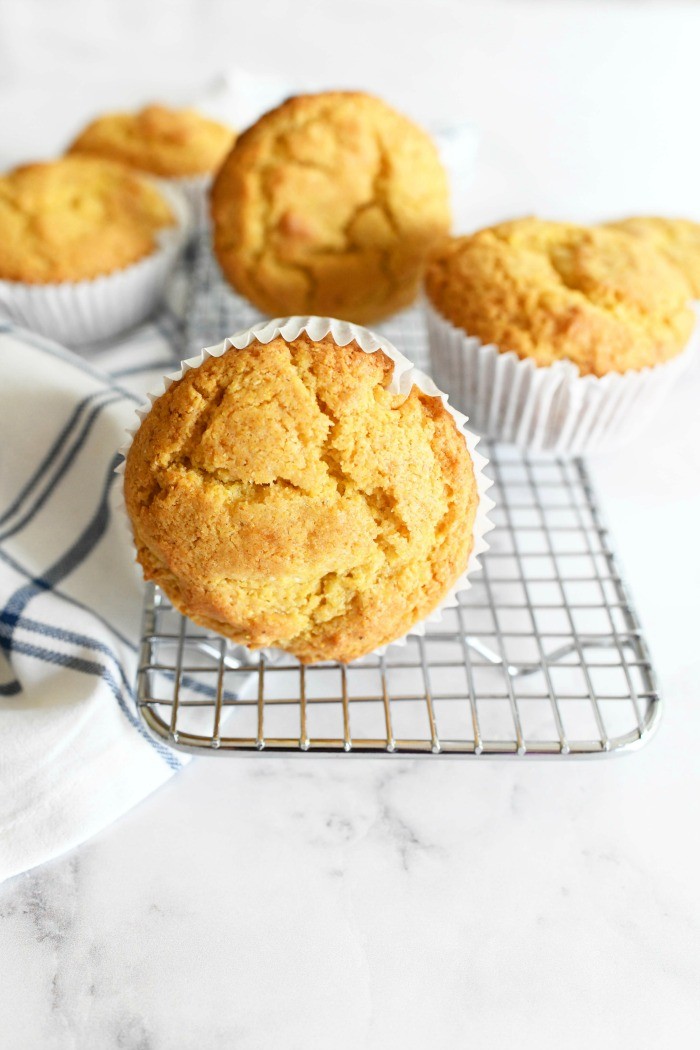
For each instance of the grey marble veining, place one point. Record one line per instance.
(288, 904)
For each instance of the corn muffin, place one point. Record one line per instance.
(329, 205)
(172, 143)
(76, 218)
(677, 239)
(554, 291)
(282, 495)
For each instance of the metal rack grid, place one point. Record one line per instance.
(543, 655)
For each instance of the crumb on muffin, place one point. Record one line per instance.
(282, 496)
(552, 291)
(677, 239)
(75, 219)
(329, 205)
(168, 142)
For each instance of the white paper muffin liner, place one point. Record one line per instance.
(550, 409)
(404, 377)
(77, 313)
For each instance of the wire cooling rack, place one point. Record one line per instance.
(542, 656)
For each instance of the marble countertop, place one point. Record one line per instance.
(266, 904)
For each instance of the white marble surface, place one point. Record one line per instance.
(261, 903)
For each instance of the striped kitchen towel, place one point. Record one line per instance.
(73, 754)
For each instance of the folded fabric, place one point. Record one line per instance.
(73, 754)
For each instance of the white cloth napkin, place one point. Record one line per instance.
(73, 753)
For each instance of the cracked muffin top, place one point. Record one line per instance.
(553, 291)
(76, 218)
(282, 496)
(329, 205)
(677, 239)
(169, 142)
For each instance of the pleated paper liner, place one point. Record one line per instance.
(551, 409)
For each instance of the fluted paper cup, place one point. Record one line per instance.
(551, 409)
(404, 377)
(78, 313)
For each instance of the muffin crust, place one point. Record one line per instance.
(282, 496)
(329, 205)
(76, 218)
(168, 142)
(553, 291)
(677, 239)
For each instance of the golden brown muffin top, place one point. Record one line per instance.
(552, 291)
(329, 205)
(76, 218)
(169, 142)
(283, 496)
(677, 239)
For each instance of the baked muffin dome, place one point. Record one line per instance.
(677, 239)
(553, 291)
(283, 496)
(76, 218)
(169, 142)
(329, 205)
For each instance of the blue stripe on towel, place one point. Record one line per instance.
(11, 615)
(52, 453)
(62, 634)
(24, 623)
(69, 561)
(58, 593)
(92, 667)
(71, 452)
